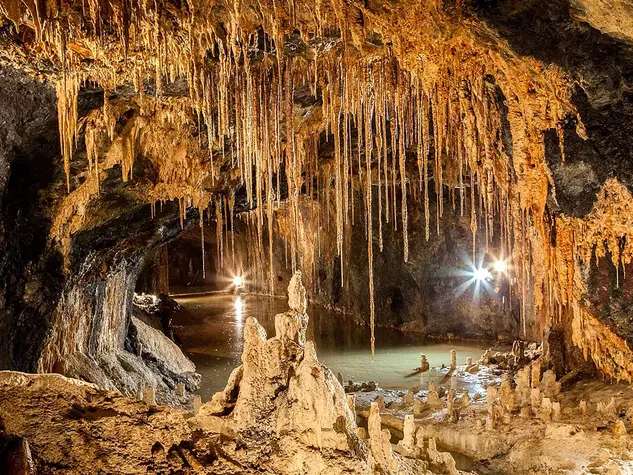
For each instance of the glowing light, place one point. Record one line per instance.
(481, 274)
(238, 281)
(500, 266)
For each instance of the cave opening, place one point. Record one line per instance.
(306, 238)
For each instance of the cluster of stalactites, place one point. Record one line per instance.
(384, 119)
(391, 132)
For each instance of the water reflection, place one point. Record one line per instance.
(210, 330)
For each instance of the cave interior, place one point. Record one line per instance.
(291, 237)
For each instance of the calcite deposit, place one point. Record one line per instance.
(282, 396)
(460, 169)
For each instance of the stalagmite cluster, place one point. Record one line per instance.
(282, 395)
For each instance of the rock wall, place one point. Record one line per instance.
(70, 310)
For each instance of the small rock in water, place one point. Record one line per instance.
(424, 364)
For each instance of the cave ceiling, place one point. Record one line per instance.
(516, 113)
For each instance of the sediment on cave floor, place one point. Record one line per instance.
(316, 237)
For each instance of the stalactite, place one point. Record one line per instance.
(370, 254)
(204, 273)
(245, 105)
(67, 95)
(403, 181)
(218, 233)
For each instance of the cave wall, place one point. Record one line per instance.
(30, 272)
(69, 308)
(154, 273)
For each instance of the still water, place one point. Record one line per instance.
(210, 331)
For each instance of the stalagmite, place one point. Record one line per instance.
(407, 446)
(197, 404)
(149, 396)
(549, 386)
(424, 364)
(506, 395)
(432, 397)
(408, 397)
(379, 440)
(536, 374)
(546, 409)
(452, 407)
(522, 392)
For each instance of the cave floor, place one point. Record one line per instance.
(577, 443)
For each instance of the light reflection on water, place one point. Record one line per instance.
(210, 331)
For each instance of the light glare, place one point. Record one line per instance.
(500, 266)
(481, 274)
(238, 281)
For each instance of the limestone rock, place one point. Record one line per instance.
(619, 428)
(609, 411)
(424, 364)
(197, 403)
(351, 403)
(297, 294)
(162, 348)
(75, 425)
(149, 396)
(379, 441)
(549, 386)
(282, 393)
